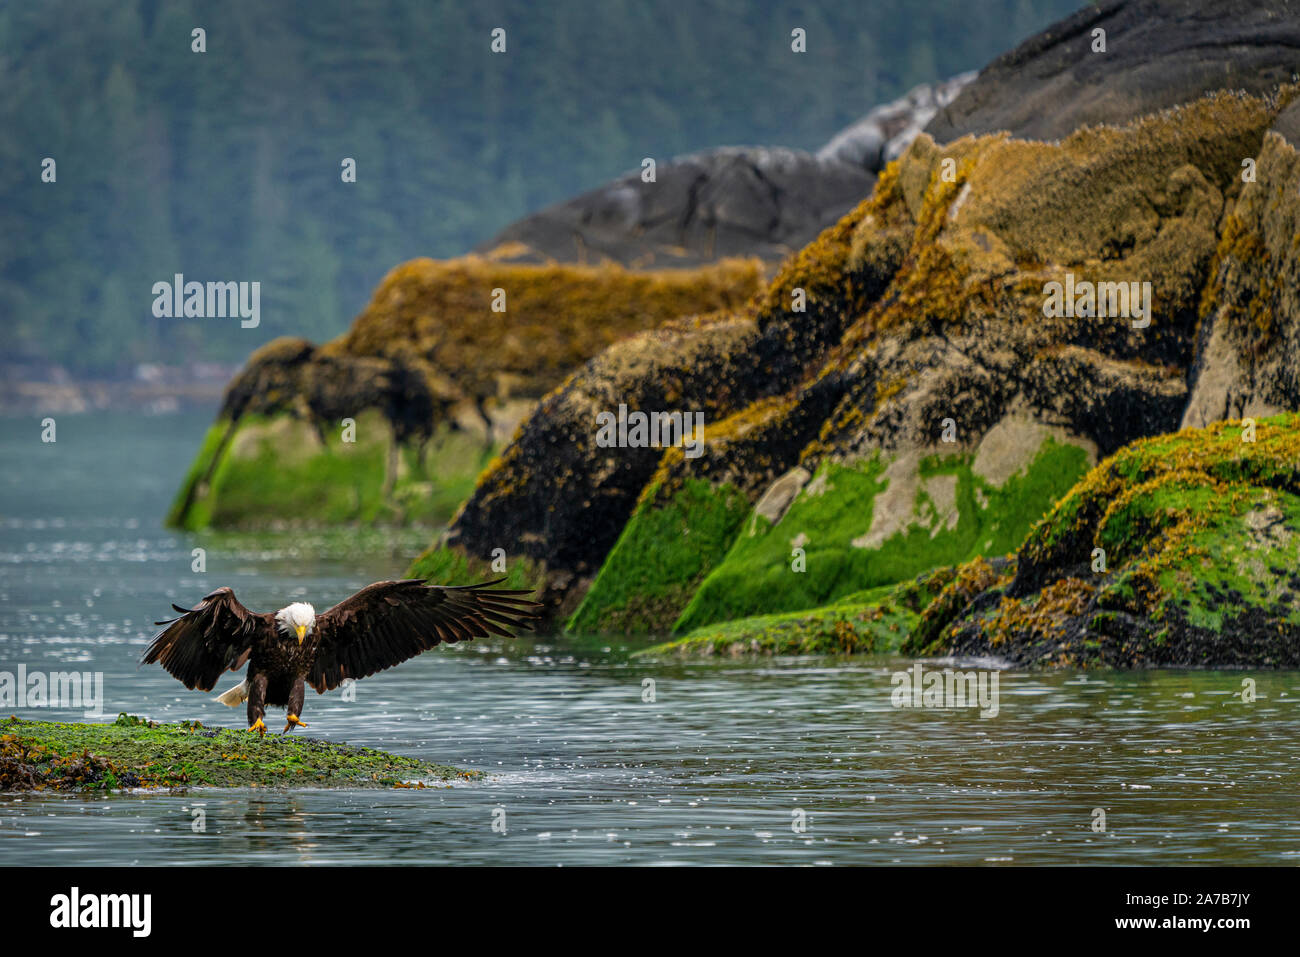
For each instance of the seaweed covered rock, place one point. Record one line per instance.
(690, 512)
(558, 499)
(873, 622)
(1148, 55)
(1250, 328)
(496, 329)
(135, 752)
(391, 420)
(554, 496)
(1180, 550)
(944, 404)
(925, 380)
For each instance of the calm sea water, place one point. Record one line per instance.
(792, 761)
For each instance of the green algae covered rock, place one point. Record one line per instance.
(876, 621)
(451, 566)
(865, 525)
(666, 549)
(442, 365)
(909, 394)
(136, 753)
(278, 470)
(1180, 550)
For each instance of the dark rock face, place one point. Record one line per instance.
(289, 376)
(733, 201)
(736, 201)
(554, 495)
(1159, 53)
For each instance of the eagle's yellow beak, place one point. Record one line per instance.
(302, 631)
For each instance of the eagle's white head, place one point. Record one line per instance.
(296, 619)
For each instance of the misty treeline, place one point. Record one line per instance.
(225, 165)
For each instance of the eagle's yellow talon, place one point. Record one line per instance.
(293, 720)
(259, 726)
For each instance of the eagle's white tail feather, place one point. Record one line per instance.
(235, 696)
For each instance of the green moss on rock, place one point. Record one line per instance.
(451, 566)
(192, 508)
(279, 470)
(875, 621)
(940, 512)
(136, 753)
(1178, 550)
(664, 552)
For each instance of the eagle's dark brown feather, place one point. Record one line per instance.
(380, 626)
(213, 637)
(386, 623)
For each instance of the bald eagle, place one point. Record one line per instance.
(380, 626)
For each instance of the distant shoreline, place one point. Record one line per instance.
(150, 389)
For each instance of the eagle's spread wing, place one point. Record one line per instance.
(387, 622)
(214, 636)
